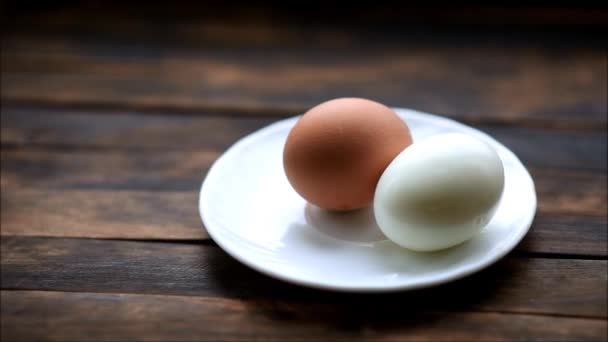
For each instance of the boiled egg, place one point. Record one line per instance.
(439, 192)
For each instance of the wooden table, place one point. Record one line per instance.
(110, 121)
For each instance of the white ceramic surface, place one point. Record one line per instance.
(251, 211)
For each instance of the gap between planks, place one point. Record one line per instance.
(511, 284)
(120, 316)
(564, 224)
(277, 112)
(191, 296)
(210, 242)
(512, 84)
(39, 130)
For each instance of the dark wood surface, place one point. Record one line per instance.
(111, 118)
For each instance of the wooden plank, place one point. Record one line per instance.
(124, 130)
(38, 315)
(124, 170)
(519, 285)
(565, 192)
(536, 147)
(573, 235)
(102, 214)
(483, 82)
(563, 149)
(571, 192)
(174, 216)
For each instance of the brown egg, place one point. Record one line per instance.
(336, 152)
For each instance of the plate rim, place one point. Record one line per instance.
(457, 274)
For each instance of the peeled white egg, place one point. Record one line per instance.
(439, 192)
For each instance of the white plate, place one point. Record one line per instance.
(251, 211)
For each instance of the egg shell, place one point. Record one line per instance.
(336, 152)
(439, 192)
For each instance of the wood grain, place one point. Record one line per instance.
(38, 315)
(103, 214)
(46, 152)
(518, 285)
(109, 170)
(123, 130)
(565, 192)
(570, 192)
(492, 82)
(120, 130)
(561, 234)
(174, 216)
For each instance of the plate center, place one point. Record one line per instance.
(354, 225)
